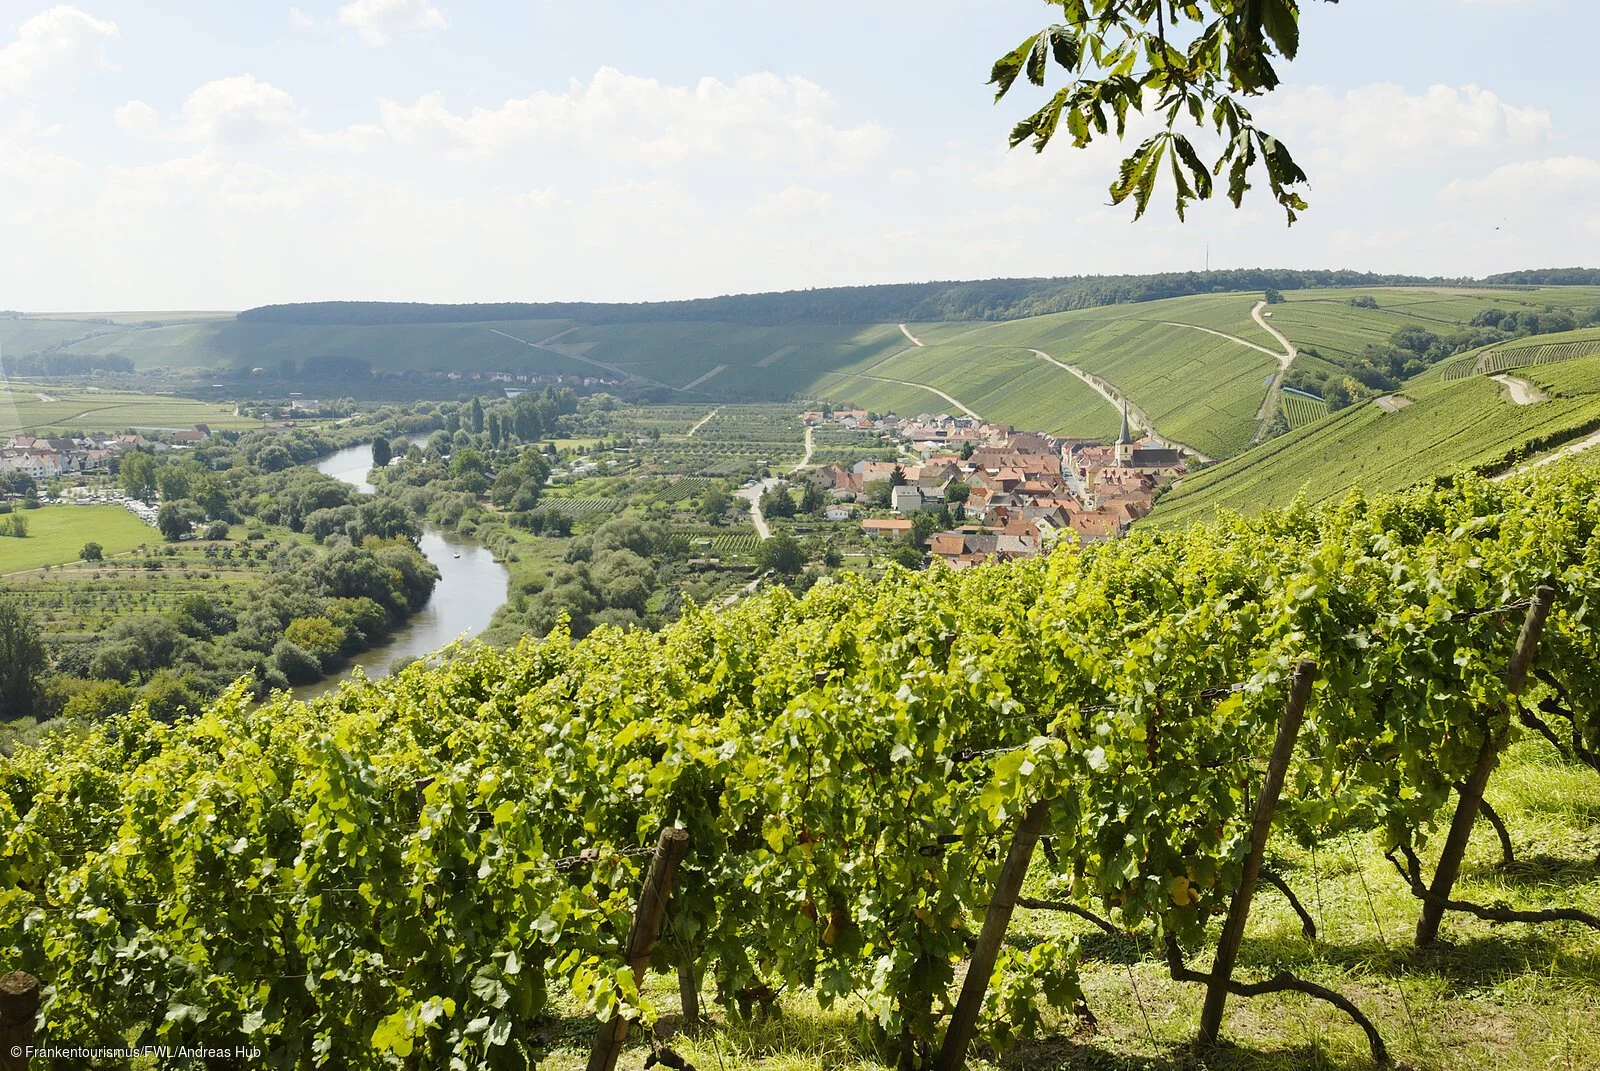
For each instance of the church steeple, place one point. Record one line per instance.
(1125, 440)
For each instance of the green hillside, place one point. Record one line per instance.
(1200, 366)
(1449, 426)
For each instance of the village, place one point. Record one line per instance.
(1012, 494)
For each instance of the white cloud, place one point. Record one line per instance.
(1533, 181)
(138, 117)
(57, 45)
(1381, 125)
(758, 118)
(242, 110)
(239, 109)
(378, 20)
(301, 19)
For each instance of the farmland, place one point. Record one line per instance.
(1451, 425)
(56, 534)
(85, 598)
(26, 409)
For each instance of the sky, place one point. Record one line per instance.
(187, 155)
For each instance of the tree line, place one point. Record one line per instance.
(989, 299)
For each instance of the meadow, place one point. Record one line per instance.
(56, 535)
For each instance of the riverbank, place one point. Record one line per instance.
(472, 585)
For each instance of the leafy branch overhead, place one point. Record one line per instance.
(1176, 58)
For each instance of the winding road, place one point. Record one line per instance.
(1522, 392)
(1269, 404)
(1136, 416)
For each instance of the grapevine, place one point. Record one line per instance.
(409, 872)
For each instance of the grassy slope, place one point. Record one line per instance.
(228, 344)
(1503, 998)
(1009, 385)
(21, 409)
(1452, 425)
(57, 533)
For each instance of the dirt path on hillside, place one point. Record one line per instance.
(906, 331)
(1522, 392)
(613, 369)
(1562, 454)
(964, 407)
(1136, 416)
(1269, 404)
(717, 371)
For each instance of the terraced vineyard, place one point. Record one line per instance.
(1547, 349)
(1301, 409)
(1452, 425)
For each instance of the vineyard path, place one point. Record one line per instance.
(1136, 416)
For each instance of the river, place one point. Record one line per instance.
(472, 586)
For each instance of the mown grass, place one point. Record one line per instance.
(56, 535)
(1508, 998)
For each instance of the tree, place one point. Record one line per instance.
(174, 520)
(138, 473)
(956, 492)
(897, 477)
(22, 662)
(714, 503)
(476, 414)
(777, 502)
(812, 498)
(318, 635)
(906, 553)
(1199, 59)
(782, 554)
(382, 452)
(1273, 297)
(92, 552)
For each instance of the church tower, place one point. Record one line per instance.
(1124, 440)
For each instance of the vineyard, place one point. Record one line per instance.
(1301, 409)
(1502, 358)
(1452, 426)
(580, 507)
(414, 872)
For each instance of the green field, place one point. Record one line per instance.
(1451, 425)
(24, 408)
(57, 533)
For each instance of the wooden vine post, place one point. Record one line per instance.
(19, 1007)
(1261, 826)
(1013, 872)
(647, 916)
(1471, 791)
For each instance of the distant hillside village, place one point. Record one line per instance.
(1016, 493)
